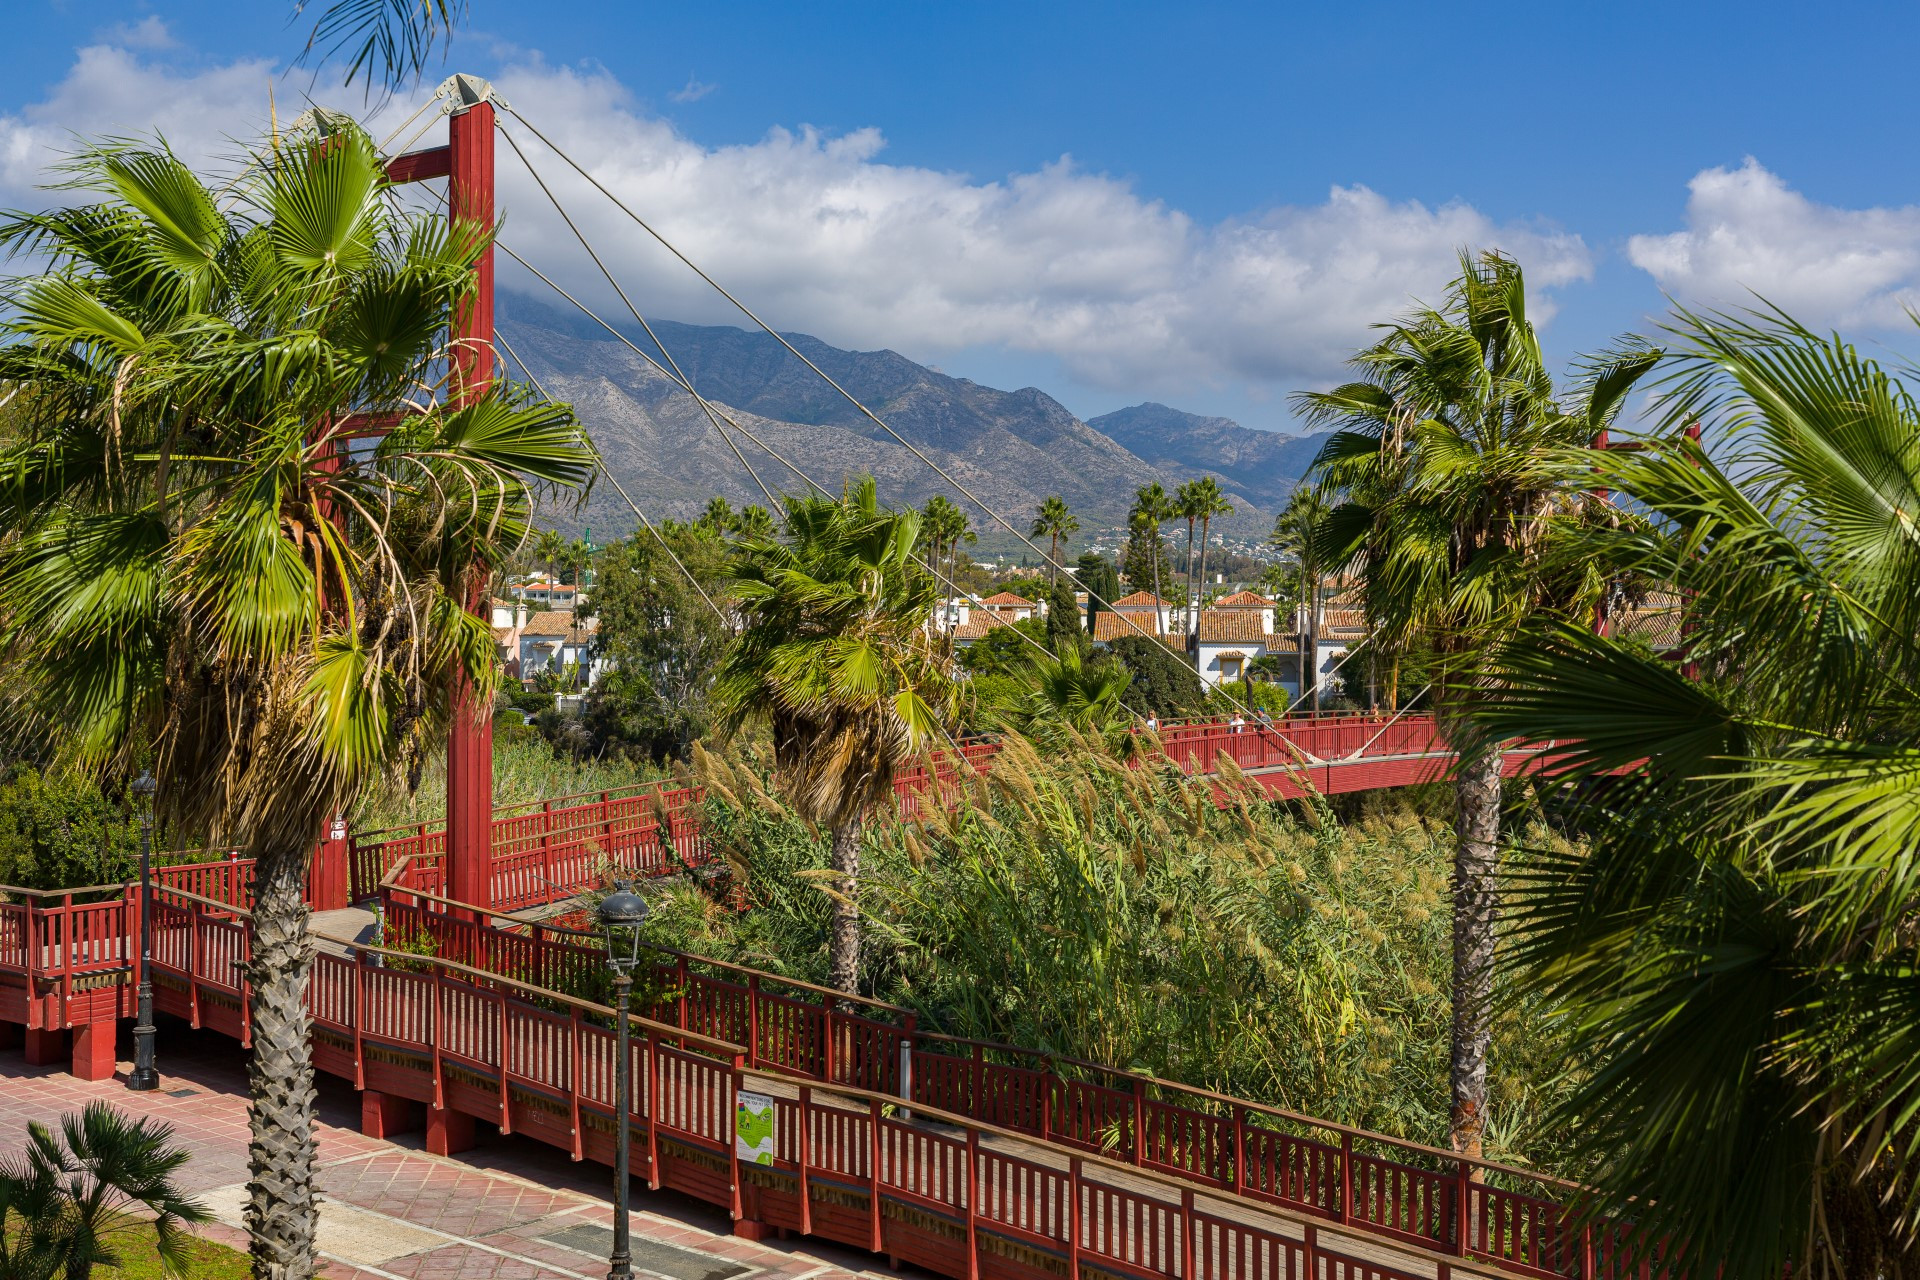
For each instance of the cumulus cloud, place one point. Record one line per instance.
(1749, 233)
(820, 233)
(824, 235)
(151, 32)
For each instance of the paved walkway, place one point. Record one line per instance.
(511, 1209)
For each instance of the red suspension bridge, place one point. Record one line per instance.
(970, 1159)
(965, 1157)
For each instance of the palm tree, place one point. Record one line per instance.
(390, 41)
(1295, 534)
(1089, 697)
(548, 547)
(945, 526)
(1445, 456)
(195, 569)
(837, 658)
(1734, 948)
(574, 559)
(754, 521)
(1057, 522)
(102, 1178)
(1152, 506)
(719, 514)
(1187, 504)
(1211, 503)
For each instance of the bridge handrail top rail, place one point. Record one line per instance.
(524, 808)
(1245, 1104)
(12, 890)
(1141, 1173)
(1175, 1086)
(664, 1030)
(750, 972)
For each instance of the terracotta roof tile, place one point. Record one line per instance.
(1108, 625)
(977, 625)
(557, 622)
(1005, 599)
(1141, 600)
(1242, 600)
(1222, 626)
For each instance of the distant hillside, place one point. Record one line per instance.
(1012, 448)
(1264, 465)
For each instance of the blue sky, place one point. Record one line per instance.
(1202, 204)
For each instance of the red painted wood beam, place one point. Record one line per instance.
(470, 734)
(418, 166)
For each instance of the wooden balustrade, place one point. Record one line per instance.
(1222, 1146)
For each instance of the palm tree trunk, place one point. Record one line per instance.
(280, 1150)
(844, 941)
(1313, 637)
(1476, 906)
(1053, 562)
(1158, 599)
(1201, 592)
(1190, 625)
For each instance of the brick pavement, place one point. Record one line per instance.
(389, 1209)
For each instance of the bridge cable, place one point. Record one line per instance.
(747, 311)
(621, 489)
(631, 309)
(818, 371)
(935, 573)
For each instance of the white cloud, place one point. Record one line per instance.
(1749, 233)
(151, 32)
(820, 234)
(693, 92)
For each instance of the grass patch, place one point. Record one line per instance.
(209, 1261)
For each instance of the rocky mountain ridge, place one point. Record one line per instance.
(1010, 448)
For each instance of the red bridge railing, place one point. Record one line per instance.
(1243, 1151)
(549, 850)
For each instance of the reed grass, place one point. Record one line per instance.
(1136, 917)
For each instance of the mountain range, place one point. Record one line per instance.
(1011, 449)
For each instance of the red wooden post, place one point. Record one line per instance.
(973, 1203)
(359, 1015)
(733, 1147)
(606, 829)
(681, 961)
(546, 842)
(1346, 1177)
(1048, 1083)
(826, 1032)
(193, 983)
(1463, 1211)
(506, 1116)
(753, 1019)
(806, 1160)
(1139, 1120)
(1073, 1218)
(653, 1110)
(439, 1095)
(873, 1172)
(469, 854)
(1187, 1234)
(1237, 1179)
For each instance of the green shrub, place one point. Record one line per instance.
(59, 830)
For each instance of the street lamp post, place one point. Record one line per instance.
(144, 1075)
(621, 914)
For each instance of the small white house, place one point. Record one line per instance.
(1236, 632)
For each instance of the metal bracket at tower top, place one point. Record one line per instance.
(464, 92)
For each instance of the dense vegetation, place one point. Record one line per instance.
(1072, 904)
